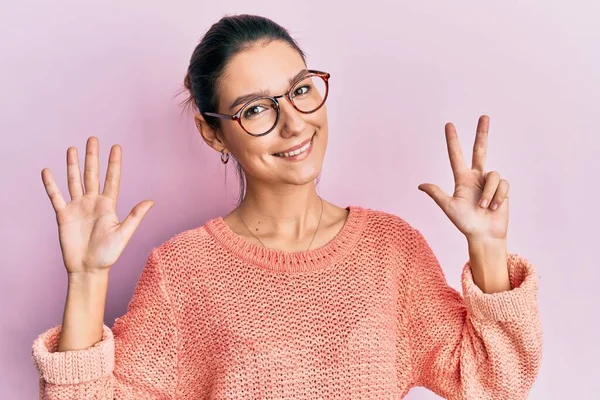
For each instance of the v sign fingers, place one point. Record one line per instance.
(469, 208)
(457, 161)
(481, 143)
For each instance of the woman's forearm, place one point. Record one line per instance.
(83, 317)
(489, 265)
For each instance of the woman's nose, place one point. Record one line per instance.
(291, 120)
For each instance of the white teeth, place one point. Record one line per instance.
(295, 152)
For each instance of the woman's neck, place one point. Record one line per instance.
(289, 219)
(290, 213)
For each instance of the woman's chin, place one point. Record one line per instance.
(303, 176)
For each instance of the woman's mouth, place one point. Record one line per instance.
(298, 153)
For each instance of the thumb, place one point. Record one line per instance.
(135, 217)
(437, 194)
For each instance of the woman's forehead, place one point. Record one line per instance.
(262, 67)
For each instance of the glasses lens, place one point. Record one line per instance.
(259, 116)
(309, 93)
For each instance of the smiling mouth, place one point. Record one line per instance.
(298, 151)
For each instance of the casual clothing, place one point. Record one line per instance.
(367, 316)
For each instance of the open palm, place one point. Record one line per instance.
(472, 186)
(90, 234)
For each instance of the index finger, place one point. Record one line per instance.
(457, 162)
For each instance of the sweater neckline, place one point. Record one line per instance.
(291, 262)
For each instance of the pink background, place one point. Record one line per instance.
(400, 71)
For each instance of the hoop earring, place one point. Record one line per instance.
(224, 157)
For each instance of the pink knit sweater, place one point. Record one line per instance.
(367, 316)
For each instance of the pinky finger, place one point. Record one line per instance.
(52, 190)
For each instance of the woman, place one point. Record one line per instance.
(288, 296)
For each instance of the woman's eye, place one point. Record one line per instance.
(302, 90)
(252, 111)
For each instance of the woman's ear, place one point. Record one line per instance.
(208, 133)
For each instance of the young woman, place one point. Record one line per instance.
(288, 296)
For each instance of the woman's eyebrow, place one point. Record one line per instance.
(296, 77)
(247, 97)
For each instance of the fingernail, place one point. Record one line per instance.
(494, 206)
(483, 203)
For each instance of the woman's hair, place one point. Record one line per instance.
(225, 39)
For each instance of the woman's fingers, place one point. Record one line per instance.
(113, 173)
(492, 179)
(52, 190)
(90, 174)
(91, 184)
(501, 194)
(74, 174)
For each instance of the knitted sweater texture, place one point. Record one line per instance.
(367, 316)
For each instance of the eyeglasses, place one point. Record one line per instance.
(260, 116)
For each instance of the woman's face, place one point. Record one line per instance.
(270, 68)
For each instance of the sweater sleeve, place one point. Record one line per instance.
(480, 346)
(137, 359)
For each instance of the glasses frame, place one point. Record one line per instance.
(288, 95)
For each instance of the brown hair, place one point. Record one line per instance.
(224, 39)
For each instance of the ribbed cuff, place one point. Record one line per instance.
(75, 366)
(518, 303)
